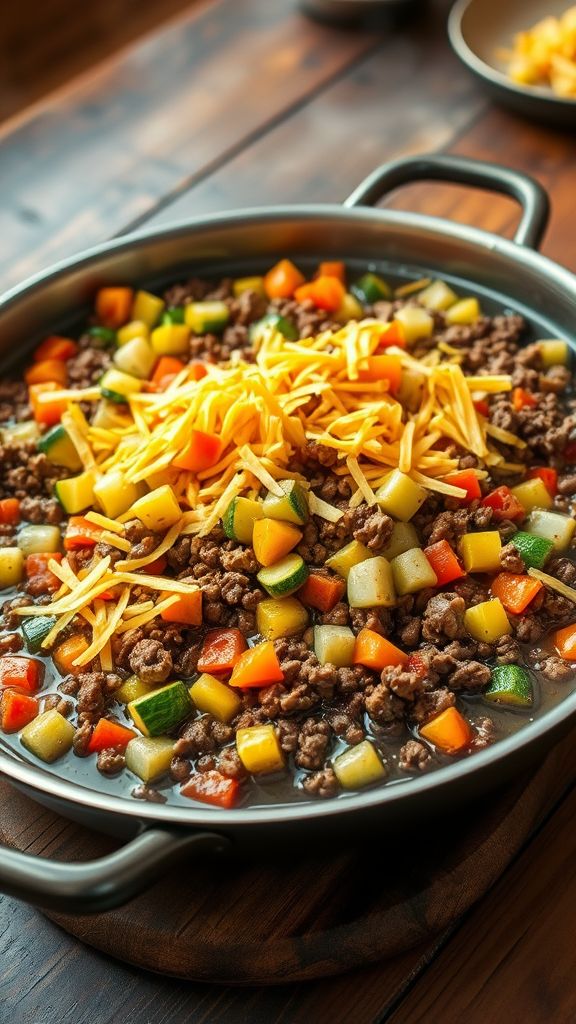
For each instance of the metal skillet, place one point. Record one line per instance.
(506, 275)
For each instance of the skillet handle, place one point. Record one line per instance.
(94, 886)
(459, 170)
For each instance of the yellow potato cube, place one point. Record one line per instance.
(417, 323)
(158, 510)
(487, 621)
(554, 352)
(466, 311)
(412, 571)
(214, 697)
(359, 766)
(481, 551)
(147, 308)
(283, 616)
(48, 736)
(437, 296)
(353, 553)
(259, 750)
(533, 494)
(135, 329)
(114, 494)
(170, 340)
(399, 496)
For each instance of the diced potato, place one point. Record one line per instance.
(342, 561)
(48, 736)
(417, 323)
(487, 621)
(132, 689)
(33, 540)
(135, 357)
(21, 433)
(403, 538)
(108, 416)
(280, 616)
(350, 309)
(76, 493)
(135, 329)
(533, 494)
(554, 352)
(149, 756)
(481, 551)
(114, 494)
(466, 311)
(552, 526)
(11, 567)
(158, 510)
(399, 496)
(334, 645)
(359, 766)
(437, 296)
(259, 750)
(370, 584)
(170, 340)
(411, 390)
(212, 696)
(412, 571)
(147, 308)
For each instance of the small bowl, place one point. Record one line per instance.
(479, 29)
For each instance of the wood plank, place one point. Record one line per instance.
(150, 122)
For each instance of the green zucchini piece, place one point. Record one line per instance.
(58, 448)
(371, 288)
(102, 337)
(280, 323)
(534, 551)
(158, 712)
(207, 317)
(292, 507)
(173, 315)
(35, 630)
(76, 493)
(511, 685)
(239, 518)
(284, 577)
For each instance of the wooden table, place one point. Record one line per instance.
(238, 103)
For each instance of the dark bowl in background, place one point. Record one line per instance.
(349, 12)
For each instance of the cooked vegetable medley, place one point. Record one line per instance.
(284, 535)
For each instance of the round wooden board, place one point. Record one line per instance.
(269, 923)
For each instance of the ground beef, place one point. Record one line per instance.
(151, 662)
(383, 706)
(94, 690)
(180, 769)
(510, 559)
(110, 761)
(431, 704)
(14, 401)
(471, 677)
(414, 757)
(528, 629)
(484, 734)
(323, 783)
(54, 702)
(144, 792)
(27, 473)
(287, 730)
(10, 643)
(339, 615)
(42, 510)
(370, 526)
(564, 569)
(313, 743)
(567, 484)
(202, 736)
(229, 764)
(508, 651)
(346, 722)
(555, 669)
(444, 618)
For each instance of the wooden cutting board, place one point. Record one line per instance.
(271, 922)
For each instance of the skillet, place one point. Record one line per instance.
(505, 274)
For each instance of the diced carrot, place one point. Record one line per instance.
(81, 533)
(212, 788)
(565, 642)
(258, 666)
(187, 609)
(9, 511)
(197, 369)
(221, 650)
(549, 477)
(48, 412)
(109, 734)
(67, 652)
(21, 672)
(47, 370)
(515, 590)
(18, 709)
(325, 292)
(36, 567)
(56, 347)
(374, 651)
(202, 452)
(444, 562)
(272, 539)
(322, 592)
(449, 731)
(156, 568)
(165, 370)
(383, 368)
(468, 481)
(282, 280)
(481, 406)
(114, 306)
(332, 269)
(522, 399)
(393, 334)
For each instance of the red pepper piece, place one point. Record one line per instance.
(444, 562)
(17, 710)
(468, 481)
(504, 504)
(212, 788)
(548, 476)
(109, 734)
(21, 672)
(221, 650)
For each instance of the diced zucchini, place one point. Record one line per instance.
(511, 685)
(21, 433)
(135, 358)
(135, 329)
(34, 540)
(399, 496)
(76, 493)
(481, 551)
(35, 630)
(117, 386)
(11, 567)
(170, 340)
(108, 416)
(370, 584)
(292, 507)
(158, 510)
(149, 757)
(371, 288)
(412, 572)
(284, 577)
(132, 689)
(239, 518)
(334, 645)
(213, 697)
(277, 617)
(359, 766)
(534, 551)
(279, 323)
(466, 311)
(59, 449)
(554, 352)
(147, 308)
(173, 315)
(206, 317)
(437, 296)
(259, 750)
(115, 494)
(102, 337)
(351, 554)
(249, 284)
(417, 323)
(350, 309)
(48, 736)
(403, 538)
(552, 526)
(533, 494)
(487, 621)
(161, 710)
